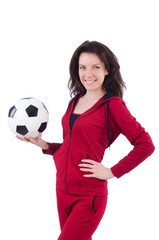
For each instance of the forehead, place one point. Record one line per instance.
(89, 58)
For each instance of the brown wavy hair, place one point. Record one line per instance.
(113, 82)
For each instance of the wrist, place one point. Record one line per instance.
(45, 146)
(111, 175)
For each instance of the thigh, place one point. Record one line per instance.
(63, 211)
(84, 218)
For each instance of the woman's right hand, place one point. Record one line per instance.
(38, 141)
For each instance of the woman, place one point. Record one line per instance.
(94, 119)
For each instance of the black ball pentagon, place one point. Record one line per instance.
(32, 111)
(12, 112)
(42, 127)
(22, 130)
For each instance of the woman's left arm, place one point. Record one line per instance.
(123, 122)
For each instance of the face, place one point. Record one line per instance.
(91, 71)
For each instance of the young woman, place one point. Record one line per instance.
(95, 117)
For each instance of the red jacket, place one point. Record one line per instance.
(92, 133)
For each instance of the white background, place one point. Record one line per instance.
(37, 40)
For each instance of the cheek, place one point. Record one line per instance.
(101, 77)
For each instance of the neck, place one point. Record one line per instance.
(91, 95)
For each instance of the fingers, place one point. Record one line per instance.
(40, 135)
(86, 170)
(88, 166)
(94, 169)
(36, 141)
(88, 161)
(23, 139)
(29, 139)
(32, 140)
(89, 175)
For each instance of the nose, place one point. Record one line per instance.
(89, 72)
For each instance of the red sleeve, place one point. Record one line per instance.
(53, 147)
(122, 121)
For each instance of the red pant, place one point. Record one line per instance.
(79, 215)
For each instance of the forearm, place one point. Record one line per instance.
(139, 153)
(51, 148)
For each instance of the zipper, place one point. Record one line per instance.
(68, 163)
(69, 154)
(67, 166)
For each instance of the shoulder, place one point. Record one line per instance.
(118, 108)
(116, 102)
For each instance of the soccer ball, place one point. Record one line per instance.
(28, 117)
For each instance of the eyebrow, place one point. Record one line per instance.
(92, 65)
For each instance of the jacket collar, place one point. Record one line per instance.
(108, 95)
(102, 100)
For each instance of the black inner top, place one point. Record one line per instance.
(73, 118)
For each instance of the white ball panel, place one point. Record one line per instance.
(32, 134)
(20, 117)
(43, 115)
(12, 125)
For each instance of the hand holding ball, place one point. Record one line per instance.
(28, 117)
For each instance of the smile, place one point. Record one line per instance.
(89, 82)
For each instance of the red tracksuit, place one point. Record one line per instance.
(82, 201)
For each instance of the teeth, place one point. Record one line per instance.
(89, 81)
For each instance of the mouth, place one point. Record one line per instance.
(89, 82)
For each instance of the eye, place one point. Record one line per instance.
(82, 67)
(96, 67)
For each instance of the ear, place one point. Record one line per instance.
(106, 72)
